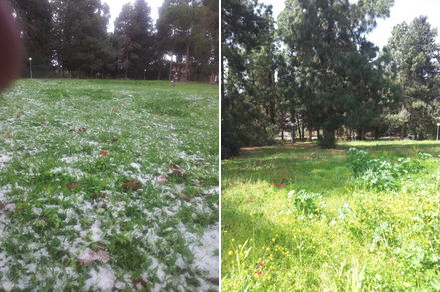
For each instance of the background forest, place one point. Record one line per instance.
(69, 38)
(313, 72)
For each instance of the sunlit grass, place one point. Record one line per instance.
(358, 239)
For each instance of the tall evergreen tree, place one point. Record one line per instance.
(134, 38)
(334, 61)
(35, 19)
(249, 95)
(417, 63)
(84, 47)
(188, 29)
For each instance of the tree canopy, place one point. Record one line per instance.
(315, 69)
(70, 37)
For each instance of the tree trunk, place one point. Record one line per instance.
(328, 139)
(293, 133)
(376, 134)
(187, 73)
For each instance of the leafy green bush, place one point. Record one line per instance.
(382, 174)
(306, 203)
(358, 161)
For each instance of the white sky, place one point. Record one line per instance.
(116, 6)
(403, 10)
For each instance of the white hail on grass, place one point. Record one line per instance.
(5, 158)
(96, 231)
(204, 249)
(103, 279)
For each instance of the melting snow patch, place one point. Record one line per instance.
(5, 158)
(10, 207)
(7, 285)
(204, 249)
(4, 190)
(103, 279)
(68, 159)
(206, 255)
(96, 231)
(136, 166)
(212, 191)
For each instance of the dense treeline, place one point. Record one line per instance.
(69, 38)
(315, 72)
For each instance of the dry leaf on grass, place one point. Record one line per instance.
(185, 197)
(139, 284)
(132, 185)
(71, 186)
(88, 256)
(176, 170)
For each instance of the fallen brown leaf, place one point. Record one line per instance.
(133, 185)
(139, 281)
(71, 186)
(88, 256)
(176, 170)
(185, 198)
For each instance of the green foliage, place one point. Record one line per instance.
(189, 29)
(367, 241)
(134, 40)
(382, 174)
(357, 161)
(332, 65)
(35, 20)
(250, 96)
(415, 56)
(306, 203)
(81, 26)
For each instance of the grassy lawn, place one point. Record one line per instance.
(108, 185)
(298, 218)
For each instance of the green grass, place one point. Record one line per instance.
(353, 238)
(80, 164)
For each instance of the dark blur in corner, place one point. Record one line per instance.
(10, 47)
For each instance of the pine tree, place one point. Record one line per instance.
(35, 19)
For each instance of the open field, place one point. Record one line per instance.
(301, 218)
(108, 185)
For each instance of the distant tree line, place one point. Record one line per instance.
(316, 72)
(69, 38)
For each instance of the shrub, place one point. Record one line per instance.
(381, 174)
(358, 161)
(306, 203)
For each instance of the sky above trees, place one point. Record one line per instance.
(402, 10)
(116, 6)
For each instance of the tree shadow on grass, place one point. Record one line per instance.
(306, 166)
(303, 166)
